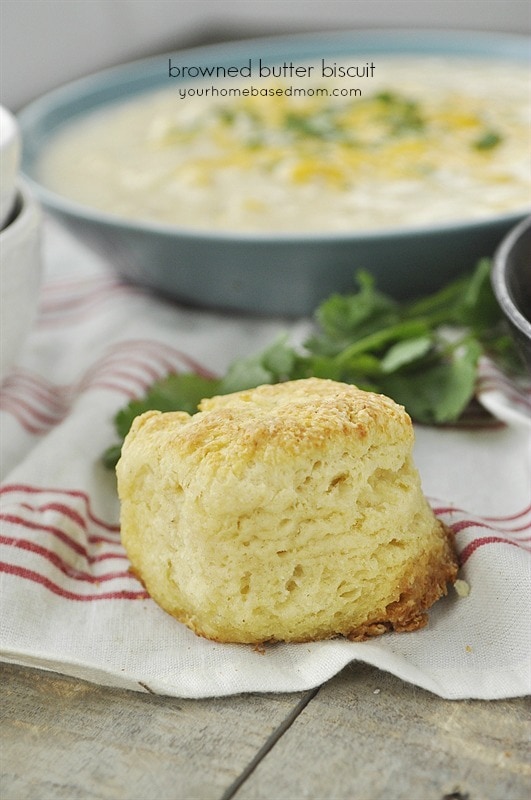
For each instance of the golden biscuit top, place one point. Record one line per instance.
(293, 417)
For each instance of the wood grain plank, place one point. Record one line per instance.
(63, 739)
(368, 736)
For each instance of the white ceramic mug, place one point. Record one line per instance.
(20, 276)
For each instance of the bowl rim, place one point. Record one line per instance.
(405, 40)
(499, 277)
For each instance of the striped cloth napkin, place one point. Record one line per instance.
(68, 601)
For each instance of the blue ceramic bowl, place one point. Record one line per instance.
(511, 282)
(265, 273)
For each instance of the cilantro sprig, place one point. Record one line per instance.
(423, 354)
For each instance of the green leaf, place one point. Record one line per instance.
(175, 392)
(345, 317)
(111, 456)
(479, 307)
(439, 308)
(272, 365)
(381, 338)
(279, 358)
(405, 352)
(440, 393)
(246, 374)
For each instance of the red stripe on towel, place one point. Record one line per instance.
(477, 543)
(77, 493)
(36, 577)
(62, 565)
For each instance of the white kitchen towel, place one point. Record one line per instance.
(68, 601)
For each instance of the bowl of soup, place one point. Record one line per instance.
(261, 175)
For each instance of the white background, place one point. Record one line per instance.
(45, 43)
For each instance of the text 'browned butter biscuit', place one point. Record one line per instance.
(290, 512)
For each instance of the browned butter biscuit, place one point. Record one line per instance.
(290, 512)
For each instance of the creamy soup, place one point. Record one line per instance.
(418, 142)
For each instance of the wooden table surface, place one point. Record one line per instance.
(364, 735)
